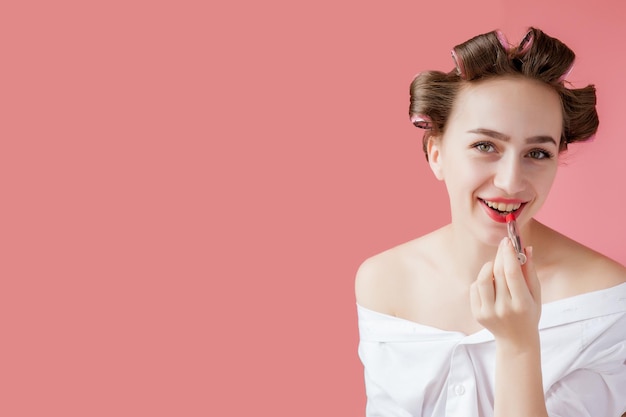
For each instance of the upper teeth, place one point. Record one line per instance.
(503, 206)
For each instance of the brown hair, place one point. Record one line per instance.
(538, 56)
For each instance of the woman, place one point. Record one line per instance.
(452, 324)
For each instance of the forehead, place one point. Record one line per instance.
(514, 106)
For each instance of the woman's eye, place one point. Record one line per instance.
(539, 154)
(484, 147)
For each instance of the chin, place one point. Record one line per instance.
(492, 235)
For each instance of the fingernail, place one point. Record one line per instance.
(529, 251)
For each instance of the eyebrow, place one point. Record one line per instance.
(501, 136)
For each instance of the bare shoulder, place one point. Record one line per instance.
(571, 268)
(380, 277)
(383, 278)
(607, 271)
(594, 268)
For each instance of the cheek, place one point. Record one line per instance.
(465, 177)
(544, 181)
(472, 172)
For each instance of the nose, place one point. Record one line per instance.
(509, 176)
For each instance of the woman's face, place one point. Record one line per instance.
(499, 153)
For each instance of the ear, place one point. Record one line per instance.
(433, 149)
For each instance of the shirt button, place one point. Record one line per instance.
(459, 390)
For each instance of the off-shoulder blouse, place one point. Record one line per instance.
(414, 370)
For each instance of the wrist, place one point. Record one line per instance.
(518, 345)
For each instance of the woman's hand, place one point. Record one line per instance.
(506, 297)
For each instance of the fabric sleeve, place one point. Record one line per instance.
(596, 385)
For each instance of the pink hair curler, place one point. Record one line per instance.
(422, 121)
(566, 73)
(460, 70)
(503, 40)
(526, 42)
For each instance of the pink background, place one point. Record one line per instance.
(188, 190)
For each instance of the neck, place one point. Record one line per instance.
(469, 254)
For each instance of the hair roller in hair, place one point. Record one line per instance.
(460, 69)
(422, 121)
(503, 41)
(566, 73)
(526, 43)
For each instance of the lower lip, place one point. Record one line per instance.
(495, 216)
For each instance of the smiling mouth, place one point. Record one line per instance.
(502, 208)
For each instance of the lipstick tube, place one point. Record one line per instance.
(511, 225)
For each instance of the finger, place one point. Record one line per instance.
(530, 274)
(515, 279)
(484, 285)
(499, 273)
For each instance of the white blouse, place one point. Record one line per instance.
(416, 370)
